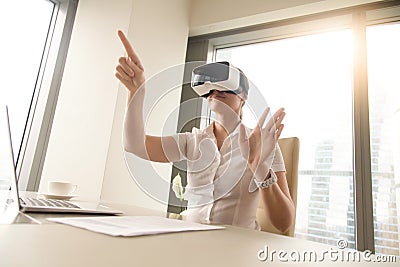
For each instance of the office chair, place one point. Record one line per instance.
(290, 148)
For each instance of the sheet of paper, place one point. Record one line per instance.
(133, 225)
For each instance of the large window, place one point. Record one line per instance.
(311, 76)
(35, 38)
(337, 76)
(21, 55)
(383, 42)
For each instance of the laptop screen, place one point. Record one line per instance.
(9, 204)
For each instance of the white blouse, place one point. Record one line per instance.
(218, 188)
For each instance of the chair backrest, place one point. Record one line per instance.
(290, 148)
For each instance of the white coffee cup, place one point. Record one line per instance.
(61, 188)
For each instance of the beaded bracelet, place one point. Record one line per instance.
(267, 183)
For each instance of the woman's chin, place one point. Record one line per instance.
(217, 106)
(220, 107)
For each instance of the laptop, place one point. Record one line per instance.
(11, 202)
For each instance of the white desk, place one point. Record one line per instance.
(51, 244)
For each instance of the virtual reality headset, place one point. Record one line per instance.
(221, 76)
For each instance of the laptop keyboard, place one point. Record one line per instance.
(47, 203)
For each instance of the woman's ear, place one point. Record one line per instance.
(243, 96)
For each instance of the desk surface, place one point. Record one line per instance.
(51, 244)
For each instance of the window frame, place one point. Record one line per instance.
(203, 48)
(44, 100)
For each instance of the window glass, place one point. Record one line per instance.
(311, 76)
(24, 29)
(383, 55)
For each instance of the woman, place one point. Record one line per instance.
(229, 166)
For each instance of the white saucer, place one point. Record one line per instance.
(60, 197)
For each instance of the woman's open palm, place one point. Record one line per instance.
(259, 146)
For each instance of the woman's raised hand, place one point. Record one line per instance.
(129, 69)
(260, 144)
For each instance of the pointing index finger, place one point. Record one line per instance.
(129, 49)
